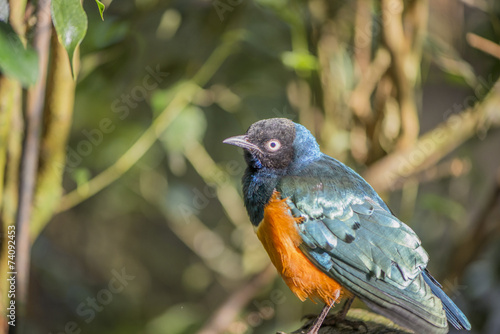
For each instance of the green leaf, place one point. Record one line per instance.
(299, 61)
(101, 7)
(16, 61)
(70, 22)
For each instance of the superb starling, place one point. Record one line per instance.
(331, 236)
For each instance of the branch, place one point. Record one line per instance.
(57, 118)
(227, 194)
(360, 96)
(8, 103)
(11, 129)
(184, 223)
(418, 16)
(181, 99)
(483, 44)
(134, 153)
(404, 69)
(232, 306)
(362, 48)
(435, 144)
(484, 228)
(10, 157)
(453, 168)
(29, 162)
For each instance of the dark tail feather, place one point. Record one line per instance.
(414, 308)
(453, 313)
(422, 306)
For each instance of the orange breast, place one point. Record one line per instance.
(280, 238)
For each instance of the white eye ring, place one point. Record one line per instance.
(273, 145)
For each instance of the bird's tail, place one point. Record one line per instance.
(422, 306)
(416, 307)
(453, 313)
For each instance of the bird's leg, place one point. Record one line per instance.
(330, 320)
(319, 320)
(345, 308)
(340, 317)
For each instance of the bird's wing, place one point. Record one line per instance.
(350, 234)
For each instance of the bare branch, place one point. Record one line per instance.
(404, 68)
(182, 98)
(29, 162)
(435, 144)
(232, 306)
(360, 96)
(483, 44)
(484, 227)
(57, 124)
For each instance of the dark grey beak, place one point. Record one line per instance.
(241, 141)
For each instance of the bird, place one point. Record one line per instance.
(330, 235)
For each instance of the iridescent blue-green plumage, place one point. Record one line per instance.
(350, 233)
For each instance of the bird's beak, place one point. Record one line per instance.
(241, 141)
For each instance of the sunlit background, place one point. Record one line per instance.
(166, 246)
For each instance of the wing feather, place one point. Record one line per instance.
(351, 235)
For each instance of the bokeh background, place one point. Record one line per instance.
(151, 236)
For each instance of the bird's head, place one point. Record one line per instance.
(275, 143)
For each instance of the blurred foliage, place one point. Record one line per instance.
(184, 75)
(16, 60)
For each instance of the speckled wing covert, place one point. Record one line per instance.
(350, 234)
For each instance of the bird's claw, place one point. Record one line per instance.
(337, 319)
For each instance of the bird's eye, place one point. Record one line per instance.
(273, 145)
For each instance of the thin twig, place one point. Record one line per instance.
(327, 46)
(227, 194)
(360, 96)
(453, 168)
(232, 306)
(29, 164)
(484, 227)
(184, 223)
(10, 146)
(477, 4)
(7, 105)
(182, 98)
(362, 35)
(435, 144)
(134, 153)
(483, 44)
(418, 16)
(399, 47)
(58, 113)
